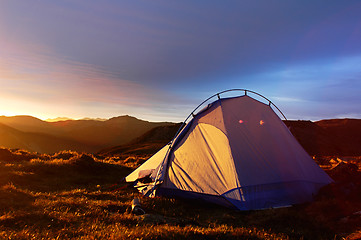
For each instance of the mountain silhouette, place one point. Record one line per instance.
(38, 142)
(129, 135)
(81, 135)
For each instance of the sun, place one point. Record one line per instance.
(8, 113)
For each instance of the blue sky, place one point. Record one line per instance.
(157, 60)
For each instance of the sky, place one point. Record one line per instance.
(157, 60)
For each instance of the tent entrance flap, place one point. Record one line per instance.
(150, 167)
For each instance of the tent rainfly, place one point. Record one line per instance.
(236, 152)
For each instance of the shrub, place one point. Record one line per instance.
(66, 154)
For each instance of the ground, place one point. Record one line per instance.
(69, 195)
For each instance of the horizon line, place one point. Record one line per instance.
(101, 119)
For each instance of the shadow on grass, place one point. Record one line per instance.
(12, 198)
(81, 171)
(292, 222)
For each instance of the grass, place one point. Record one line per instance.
(69, 195)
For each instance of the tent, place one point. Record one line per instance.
(235, 152)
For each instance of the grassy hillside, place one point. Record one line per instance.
(148, 143)
(69, 195)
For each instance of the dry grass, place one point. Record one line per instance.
(72, 196)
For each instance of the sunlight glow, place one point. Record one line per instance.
(8, 113)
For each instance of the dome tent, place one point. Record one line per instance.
(235, 152)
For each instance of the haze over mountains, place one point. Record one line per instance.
(33, 134)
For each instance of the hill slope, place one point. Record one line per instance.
(328, 137)
(346, 134)
(148, 143)
(115, 131)
(38, 142)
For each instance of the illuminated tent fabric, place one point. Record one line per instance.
(236, 152)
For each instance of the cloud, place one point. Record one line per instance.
(161, 58)
(319, 89)
(288, 99)
(171, 43)
(42, 81)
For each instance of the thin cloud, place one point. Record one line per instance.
(160, 58)
(45, 80)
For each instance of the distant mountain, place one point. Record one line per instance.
(115, 131)
(325, 137)
(92, 135)
(38, 142)
(129, 135)
(27, 124)
(58, 119)
(97, 119)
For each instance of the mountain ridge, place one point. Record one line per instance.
(37, 142)
(128, 134)
(93, 134)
